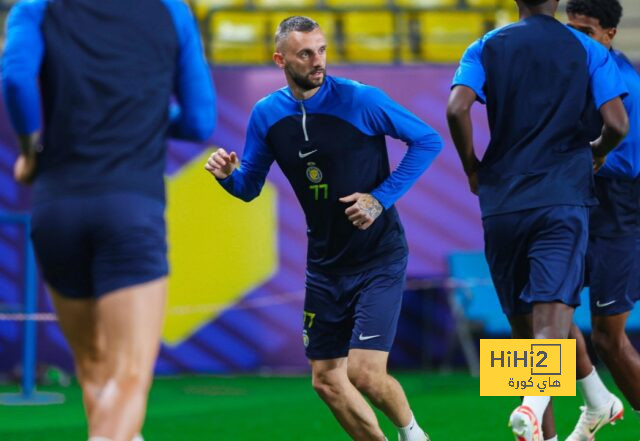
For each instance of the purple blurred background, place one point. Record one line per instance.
(440, 215)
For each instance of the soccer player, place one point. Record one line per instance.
(327, 135)
(105, 72)
(614, 235)
(535, 181)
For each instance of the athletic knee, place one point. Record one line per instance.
(607, 342)
(327, 384)
(91, 368)
(132, 375)
(365, 379)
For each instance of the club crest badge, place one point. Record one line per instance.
(305, 339)
(314, 174)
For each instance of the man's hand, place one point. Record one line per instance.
(221, 164)
(24, 168)
(598, 158)
(365, 210)
(473, 182)
(598, 162)
(471, 166)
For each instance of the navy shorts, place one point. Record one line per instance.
(91, 245)
(613, 274)
(537, 256)
(618, 213)
(358, 311)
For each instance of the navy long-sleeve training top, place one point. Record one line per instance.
(330, 146)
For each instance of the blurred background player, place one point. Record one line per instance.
(535, 181)
(614, 234)
(327, 135)
(105, 72)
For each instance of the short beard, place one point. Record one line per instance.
(303, 82)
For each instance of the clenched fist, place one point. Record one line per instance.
(221, 164)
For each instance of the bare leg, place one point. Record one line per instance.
(367, 370)
(78, 321)
(551, 320)
(354, 414)
(126, 333)
(601, 406)
(583, 363)
(615, 349)
(522, 327)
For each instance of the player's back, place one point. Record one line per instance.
(537, 91)
(106, 78)
(537, 88)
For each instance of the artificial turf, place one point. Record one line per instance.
(261, 408)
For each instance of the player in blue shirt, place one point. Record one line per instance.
(327, 136)
(614, 234)
(537, 78)
(105, 73)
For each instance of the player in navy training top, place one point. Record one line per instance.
(327, 136)
(614, 236)
(538, 78)
(105, 73)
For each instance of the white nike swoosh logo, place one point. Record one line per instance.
(602, 305)
(368, 337)
(304, 155)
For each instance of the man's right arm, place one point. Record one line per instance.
(244, 180)
(467, 87)
(461, 128)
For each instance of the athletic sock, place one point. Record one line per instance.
(411, 432)
(595, 393)
(537, 405)
(138, 437)
(555, 438)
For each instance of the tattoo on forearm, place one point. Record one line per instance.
(369, 205)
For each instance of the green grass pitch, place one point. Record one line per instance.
(255, 408)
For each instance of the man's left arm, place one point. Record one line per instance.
(386, 117)
(194, 116)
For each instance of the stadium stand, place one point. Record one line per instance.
(444, 36)
(358, 31)
(369, 36)
(238, 38)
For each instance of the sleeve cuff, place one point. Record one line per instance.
(385, 203)
(479, 94)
